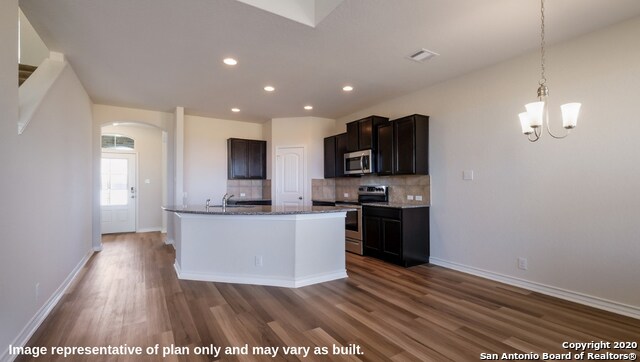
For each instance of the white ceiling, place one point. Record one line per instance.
(159, 54)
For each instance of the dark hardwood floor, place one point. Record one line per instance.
(129, 294)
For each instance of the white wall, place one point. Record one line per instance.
(205, 155)
(10, 324)
(148, 147)
(302, 131)
(46, 190)
(268, 136)
(32, 49)
(570, 206)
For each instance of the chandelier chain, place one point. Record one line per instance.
(543, 78)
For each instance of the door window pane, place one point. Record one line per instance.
(117, 142)
(114, 182)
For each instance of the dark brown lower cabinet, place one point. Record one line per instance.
(396, 235)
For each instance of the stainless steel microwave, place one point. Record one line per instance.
(358, 163)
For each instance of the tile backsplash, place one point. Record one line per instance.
(323, 189)
(346, 188)
(252, 189)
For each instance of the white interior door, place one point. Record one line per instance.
(118, 192)
(290, 176)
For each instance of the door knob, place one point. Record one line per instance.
(300, 198)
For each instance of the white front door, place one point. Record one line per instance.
(290, 176)
(118, 192)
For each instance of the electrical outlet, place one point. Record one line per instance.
(346, 194)
(467, 175)
(409, 197)
(258, 260)
(37, 291)
(418, 197)
(522, 263)
(242, 194)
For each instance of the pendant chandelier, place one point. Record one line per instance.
(537, 115)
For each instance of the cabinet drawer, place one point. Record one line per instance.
(386, 212)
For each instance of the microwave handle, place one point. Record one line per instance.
(362, 163)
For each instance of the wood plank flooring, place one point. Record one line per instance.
(129, 294)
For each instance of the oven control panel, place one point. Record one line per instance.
(372, 190)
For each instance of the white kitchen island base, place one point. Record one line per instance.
(286, 250)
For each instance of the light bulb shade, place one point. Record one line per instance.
(570, 113)
(535, 112)
(524, 123)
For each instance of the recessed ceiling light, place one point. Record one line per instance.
(308, 108)
(347, 88)
(230, 61)
(236, 110)
(269, 88)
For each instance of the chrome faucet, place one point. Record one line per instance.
(226, 198)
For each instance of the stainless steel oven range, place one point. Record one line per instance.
(353, 221)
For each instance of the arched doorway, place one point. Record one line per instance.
(133, 177)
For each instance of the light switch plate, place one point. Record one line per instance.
(147, 181)
(467, 175)
(346, 194)
(242, 194)
(418, 197)
(409, 197)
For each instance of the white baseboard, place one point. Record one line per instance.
(35, 322)
(259, 279)
(149, 230)
(596, 302)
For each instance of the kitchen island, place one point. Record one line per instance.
(264, 245)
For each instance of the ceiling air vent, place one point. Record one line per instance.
(422, 55)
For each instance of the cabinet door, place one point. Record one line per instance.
(353, 131)
(246, 159)
(365, 133)
(372, 243)
(341, 149)
(404, 146)
(237, 150)
(330, 157)
(392, 239)
(384, 155)
(256, 159)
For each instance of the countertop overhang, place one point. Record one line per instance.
(255, 210)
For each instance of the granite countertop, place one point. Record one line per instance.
(254, 210)
(243, 199)
(396, 205)
(380, 204)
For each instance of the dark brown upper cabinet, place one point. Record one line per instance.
(411, 145)
(384, 149)
(246, 159)
(334, 149)
(361, 135)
